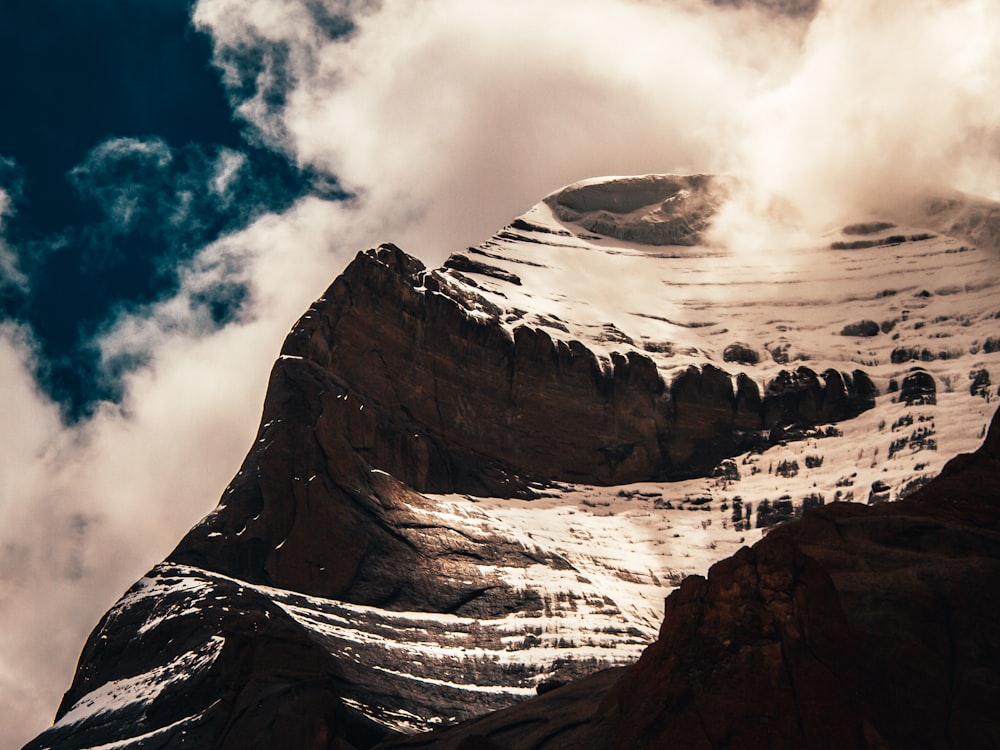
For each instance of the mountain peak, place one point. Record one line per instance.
(474, 481)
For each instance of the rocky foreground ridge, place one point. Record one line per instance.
(475, 482)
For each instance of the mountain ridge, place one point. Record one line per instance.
(475, 481)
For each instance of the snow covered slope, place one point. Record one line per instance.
(888, 299)
(424, 607)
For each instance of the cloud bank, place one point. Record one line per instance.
(456, 115)
(88, 508)
(446, 118)
(885, 103)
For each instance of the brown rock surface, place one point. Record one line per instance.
(233, 673)
(455, 403)
(852, 628)
(390, 377)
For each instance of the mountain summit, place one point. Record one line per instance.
(478, 482)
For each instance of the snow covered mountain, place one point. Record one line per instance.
(475, 482)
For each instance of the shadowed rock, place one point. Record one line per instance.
(398, 380)
(917, 388)
(652, 210)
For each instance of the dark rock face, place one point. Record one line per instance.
(464, 263)
(799, 398)
(232, 673)
(774, 674)
(317, 606)
(980, 385)
(854, 627)
(398, 378)
(917, 388)
(861, 328)
(380, 374)
(742, 353)
(868, 227)
(306, 512)
(458, 405)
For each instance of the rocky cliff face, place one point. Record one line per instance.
(393, 370)
(456, 402)
(474, 482)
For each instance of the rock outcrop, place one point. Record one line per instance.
(651, 210)
(234, 673)
(384, 373)
(388, 371)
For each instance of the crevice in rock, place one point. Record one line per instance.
(468, 598)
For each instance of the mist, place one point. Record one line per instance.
(446, 119)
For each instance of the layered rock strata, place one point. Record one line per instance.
(855, 627)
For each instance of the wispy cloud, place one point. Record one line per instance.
(884, 103)
(146, 209)
(498, 104)
(424, 102)
(11, 183)
(175, 198)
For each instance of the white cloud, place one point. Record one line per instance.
(448, 118)
(88, 509)
(226, 172)
(455, 115)
(886, 101)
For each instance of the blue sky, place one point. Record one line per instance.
(179, 180)
(121, 126)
